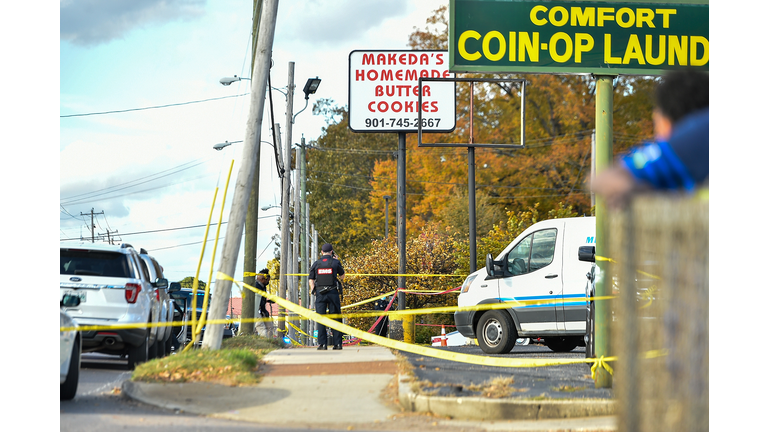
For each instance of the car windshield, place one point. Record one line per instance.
(199, 303)
(94, 263)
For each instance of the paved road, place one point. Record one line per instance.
(99, 406)
(556, 382)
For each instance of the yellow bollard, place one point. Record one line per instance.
(409, 330)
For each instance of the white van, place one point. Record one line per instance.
(541, 281)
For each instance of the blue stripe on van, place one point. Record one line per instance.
(574, 300)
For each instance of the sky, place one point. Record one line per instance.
(141, 108)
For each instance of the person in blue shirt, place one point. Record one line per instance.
(678, 158)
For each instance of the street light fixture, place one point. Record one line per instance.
(311, 87)
(229, 80)
(220, 146)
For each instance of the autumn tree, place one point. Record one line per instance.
(503, 233)
(430, 252)
(349, 173)
(339, 172)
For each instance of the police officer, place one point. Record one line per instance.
(323, 278)
(264, 326)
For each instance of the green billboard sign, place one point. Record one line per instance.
(595, 37)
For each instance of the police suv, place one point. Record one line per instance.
(114, 290)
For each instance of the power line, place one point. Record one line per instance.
(138, 179)
(168, 229)
(89, 199)
(152, 107)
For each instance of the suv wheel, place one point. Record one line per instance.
(68, 388)
(153, 351)
(139, 354)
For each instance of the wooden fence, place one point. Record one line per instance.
(659, 268)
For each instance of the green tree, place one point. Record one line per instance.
(189, 280)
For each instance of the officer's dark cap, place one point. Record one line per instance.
(327, 247)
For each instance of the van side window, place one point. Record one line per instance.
(532, 253)
(543, 249)
(517, 260)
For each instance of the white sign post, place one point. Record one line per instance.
(384, 92)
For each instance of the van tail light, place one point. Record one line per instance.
(132, 291)
(157, 294)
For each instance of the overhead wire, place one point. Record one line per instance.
(132, 183)
(151, 107)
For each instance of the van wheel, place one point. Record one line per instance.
(139, 354)
(561, 344)
(497, 333)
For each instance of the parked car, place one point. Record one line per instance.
(114, 291)
(539, 280)
(162, 305)
(179, 329)
(70, 347)
(644, 286)
(183, 298)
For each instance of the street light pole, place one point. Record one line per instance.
(304, 237)
(286, 202)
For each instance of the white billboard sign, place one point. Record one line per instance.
(384, 92)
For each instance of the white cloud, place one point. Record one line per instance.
(92, 22)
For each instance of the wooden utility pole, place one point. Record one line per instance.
(250, 253)
(244, 183)
(92, 227)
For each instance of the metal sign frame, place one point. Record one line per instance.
(471, 143)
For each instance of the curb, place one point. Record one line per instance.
(477, 408)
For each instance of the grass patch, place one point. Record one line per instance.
(500, 387)
(235, 364)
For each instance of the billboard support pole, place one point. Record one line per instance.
(401, 302)
(471, 183)
(603, 160)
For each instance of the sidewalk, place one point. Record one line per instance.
(353, 384)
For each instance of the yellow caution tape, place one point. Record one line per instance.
(390, 274)
(402, 346)
(368, 314)
(602, 362)
(611, 260)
